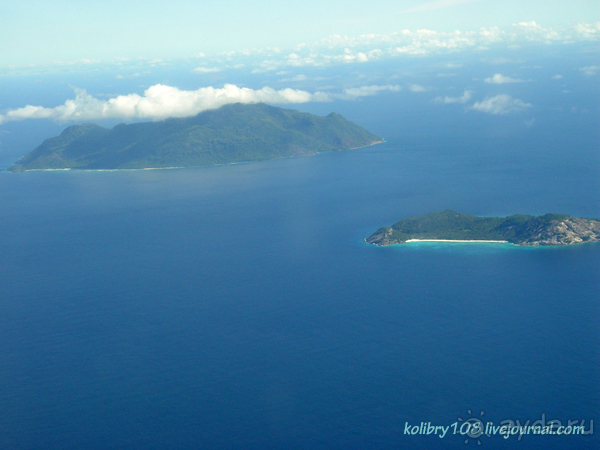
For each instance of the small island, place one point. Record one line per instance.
(232, 133)
(549, 229)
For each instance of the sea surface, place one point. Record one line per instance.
(238, 307)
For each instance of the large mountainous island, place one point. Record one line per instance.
(549, 229)
(232, 133)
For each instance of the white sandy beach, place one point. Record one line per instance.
(453, 240)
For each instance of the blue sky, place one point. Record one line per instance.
(38, 32)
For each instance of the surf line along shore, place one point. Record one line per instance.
(453, 240)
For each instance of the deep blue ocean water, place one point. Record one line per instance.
(238, 307)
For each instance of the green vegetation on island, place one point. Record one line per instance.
(232, 133)
(549, 229)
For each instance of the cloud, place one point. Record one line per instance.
(501, 79)
(590, 70)
(206, 69)
(500, 104)
(337, 49)
(365, 91)
(160, 102)
(588, 31)
(361, 57)
(417, 88)
(300, 77)
(531, 24)
(533, 31)
(132, 75)
(557, 76)
(464, 99)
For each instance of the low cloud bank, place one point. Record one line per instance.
(501, 104)
(463, 99)
(498, 78)
(162, 102)
(365, 91)
(590, 70)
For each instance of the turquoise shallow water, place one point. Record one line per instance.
(239, 307)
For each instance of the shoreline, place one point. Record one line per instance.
(182, 167)
(455, 240)
(356, 148)
(477, 241)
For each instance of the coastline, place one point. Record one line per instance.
(454, 240)
(179, 167)
(356, 148)
(477, 241)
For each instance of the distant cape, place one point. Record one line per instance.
(549, 229)
(232, 133)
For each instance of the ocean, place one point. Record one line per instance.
(238, 306)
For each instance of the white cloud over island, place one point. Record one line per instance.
(162, 102)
